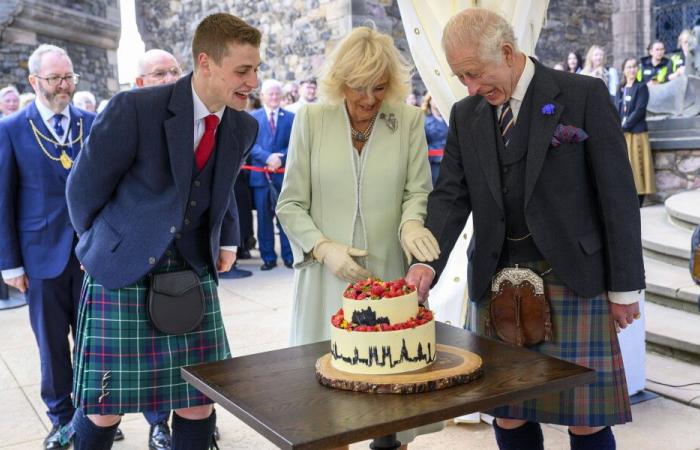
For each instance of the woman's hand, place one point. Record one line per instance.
(338, 260)
(418, 242)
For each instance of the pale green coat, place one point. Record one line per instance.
(320, 196)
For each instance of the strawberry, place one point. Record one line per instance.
(377, 291)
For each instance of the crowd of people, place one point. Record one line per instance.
(101, 202)
(630, 95)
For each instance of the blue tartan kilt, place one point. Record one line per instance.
(124, 365)
(584, 334)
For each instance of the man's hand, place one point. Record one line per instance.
(21, 283)
(421, 277)
(274, 161)
(624, 315)
(226, 260)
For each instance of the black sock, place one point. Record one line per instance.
(89, 436)
(525, 437)
(602, 440)
(193, 434)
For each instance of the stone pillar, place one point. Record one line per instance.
(89, 31)
(632, 29)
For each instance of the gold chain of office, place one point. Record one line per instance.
(65, 159)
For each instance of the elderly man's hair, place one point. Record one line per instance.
(480, 28)
(80, 97)
(360, 61)
(147, 58)
(8, 89)
(34, 62)
(269, 84)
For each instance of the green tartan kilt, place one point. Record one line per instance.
(584, 334)
(124, 365)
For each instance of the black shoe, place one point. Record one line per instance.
(118, 435)
(53, 440)
(159, 437)
(235, 273)
(268, 265)
(289, 264)
(249, 242)
(243, 254)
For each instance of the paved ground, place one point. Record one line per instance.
(256, 311)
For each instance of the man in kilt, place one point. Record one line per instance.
(537, 157)
(152, 194)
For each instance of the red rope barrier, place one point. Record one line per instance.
(262, 169)
(436, 152)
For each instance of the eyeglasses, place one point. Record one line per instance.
(56, 80)
(160, 74)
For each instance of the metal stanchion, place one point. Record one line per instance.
(10, 298)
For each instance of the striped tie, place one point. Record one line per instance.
(506, 122)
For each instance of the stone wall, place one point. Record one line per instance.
(575, 25)
(87, 30)
(297, 34)
(676, 171)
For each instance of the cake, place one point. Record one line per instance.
(381, 329)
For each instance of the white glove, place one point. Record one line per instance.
(338, 260)
(418, 242)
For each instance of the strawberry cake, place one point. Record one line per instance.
(381, 329)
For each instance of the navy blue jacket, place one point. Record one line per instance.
(267, 143)
(35, 230)
(637, 99)
(436, 134)
(128, 191)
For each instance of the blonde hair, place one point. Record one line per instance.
(425, 104)
(359, 61)
(588, 64)
(685, 34)
(480, 28)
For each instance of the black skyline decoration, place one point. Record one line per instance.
(368, 317)
(374, 358)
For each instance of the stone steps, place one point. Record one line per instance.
(663, 239)
(669, 371)
(671, 314)
(671, 286)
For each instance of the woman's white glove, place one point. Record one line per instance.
(338, 260)
(418, 242)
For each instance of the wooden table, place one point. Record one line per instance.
(276, 393)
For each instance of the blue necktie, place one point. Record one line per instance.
(58, 128)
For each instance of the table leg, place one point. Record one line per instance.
(4, 293)
(387, 442)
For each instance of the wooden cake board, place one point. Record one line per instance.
(453, 366)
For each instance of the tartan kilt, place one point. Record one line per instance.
(583, 333)
(124, 365)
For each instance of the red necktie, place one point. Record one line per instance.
(273, 127)
(206, 145)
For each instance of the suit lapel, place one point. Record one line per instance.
(484, 132)
(179, 135)
(541, 126)
(77, 126)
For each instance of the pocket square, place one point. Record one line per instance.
(567, 134)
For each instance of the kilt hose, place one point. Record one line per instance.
(584, 334)
(124, 365)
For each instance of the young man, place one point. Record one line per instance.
(560, 203)
(152, 194)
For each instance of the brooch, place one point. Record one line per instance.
(390, 120)
(547, 109)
